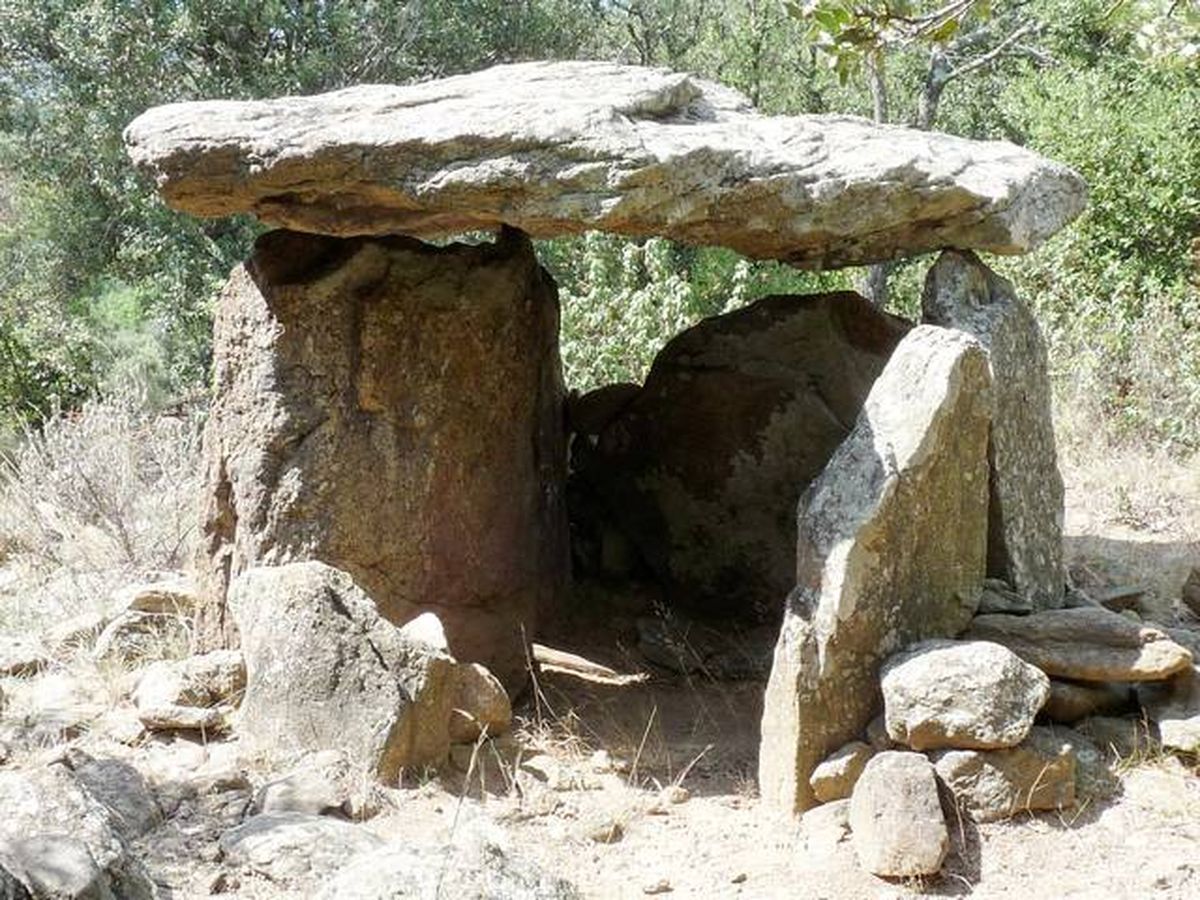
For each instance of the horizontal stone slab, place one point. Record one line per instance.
(559, 148)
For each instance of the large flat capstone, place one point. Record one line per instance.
(891, 550)
(556, 148)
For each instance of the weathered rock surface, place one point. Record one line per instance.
(556, 148)
(1121, 737)
(480, 705)
(1025, 510)
(966, 694)
(121, 789)
(991, 785)
(896, 819)
(703, 467)
(393, 409)
(55, 836)
(1071, 701)
(1174, 706)
(1086, 644)
(288, 846)
(196, 693)
(324, 671)
(834, 778)
(999, 597)
(891, 550)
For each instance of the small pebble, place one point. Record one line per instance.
(662, 886)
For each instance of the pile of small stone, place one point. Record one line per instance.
(958, 736)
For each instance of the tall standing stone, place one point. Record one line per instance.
(392, 409)
(891, 550)
(1025, 544)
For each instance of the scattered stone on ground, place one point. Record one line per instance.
(892, 543)
(961, 694)
(1025, 507)
(556, 148)
(1086, 644)
(834, 778)
(198, 693)
(325, 671)
(703, 467)
(896, 819)
(1071, 701)
(1039, 773)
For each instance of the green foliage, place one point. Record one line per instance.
(622, 300)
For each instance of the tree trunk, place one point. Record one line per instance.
(874, 284)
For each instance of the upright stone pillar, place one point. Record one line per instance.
(393, 409)
(1025, 513)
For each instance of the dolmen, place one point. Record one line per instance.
(392, 404)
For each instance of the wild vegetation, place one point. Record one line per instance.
(101, 285)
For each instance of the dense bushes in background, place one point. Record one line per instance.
(100, 283)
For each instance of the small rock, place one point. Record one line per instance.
(20, 657)
(896, 817)
(662, 886)
(325, 671)
(674, 794)
(481, 705)
(961, 694)
(834, 778)
(1071, 701)
(1174, 706)
(1086, 644)
(426, 629)
(739, 878)
(176, 595)
(991, 785)
(285, 846)
(197, 693)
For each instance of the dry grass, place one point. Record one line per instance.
(93, 499)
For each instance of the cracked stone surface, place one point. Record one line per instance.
(557, 148)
